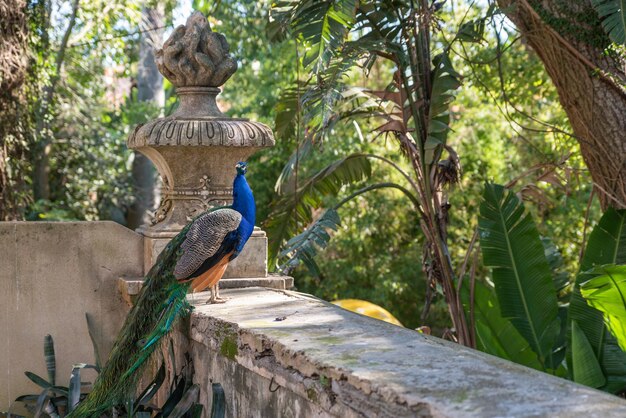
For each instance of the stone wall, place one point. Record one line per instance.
(276, 353)
(51, 275)
(286, 354)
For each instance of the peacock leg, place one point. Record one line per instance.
(215, 294)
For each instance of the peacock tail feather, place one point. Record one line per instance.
(161, 301)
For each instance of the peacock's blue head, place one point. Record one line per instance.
(242, 167)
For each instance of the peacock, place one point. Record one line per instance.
(194, 259)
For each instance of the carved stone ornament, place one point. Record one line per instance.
(197, 147)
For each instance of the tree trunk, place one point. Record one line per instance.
(13, 68)
(569, 39)
(149, 89)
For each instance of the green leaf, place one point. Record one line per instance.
(445, 80)
(38, 380)
(48, 352)
(606, 245)
(218, 408)
(555, 260)
(323, 25)
(496, 335)
(296, 158)
(304, 247)
(613, 15)
(298, 205)
(153, 387)
(586, 369)
(76, 385)
(188, 400)
(472, 31)
(511, 246)
(91, 328)
(607, 293)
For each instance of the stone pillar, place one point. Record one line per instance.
(197, 147)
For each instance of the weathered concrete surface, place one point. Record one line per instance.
(51, 275)
(323, 361)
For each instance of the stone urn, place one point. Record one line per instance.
(197, 147)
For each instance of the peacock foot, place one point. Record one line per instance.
(215, 295)
(216, 299)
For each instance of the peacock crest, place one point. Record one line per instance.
(195, 56)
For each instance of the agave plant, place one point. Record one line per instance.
(520, 317)
(56, 401)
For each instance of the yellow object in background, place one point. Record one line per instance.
(366, 308)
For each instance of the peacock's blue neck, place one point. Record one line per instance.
(243, 200)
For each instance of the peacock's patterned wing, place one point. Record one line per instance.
(204, 238)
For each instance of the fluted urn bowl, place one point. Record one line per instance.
(196, 150)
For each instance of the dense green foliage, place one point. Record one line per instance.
(526, 291)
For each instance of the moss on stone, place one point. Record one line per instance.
(229, 347)
(311, 394)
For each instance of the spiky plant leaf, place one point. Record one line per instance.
(91, 328)
(38, 380)
(218, 408)
(186, 402)
(153, 387)
(76, 384)
(511, 246)
(606, 245)
(613, 15)
(48, 352)
(174, 398)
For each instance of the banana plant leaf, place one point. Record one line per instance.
(586, 369)
(511, 246)
(613, 15)
(299, 205)
(606, 245)
(607, 293)
(496, 335)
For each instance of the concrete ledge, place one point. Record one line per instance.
(129, 287)
(285, 354)
(271, 281)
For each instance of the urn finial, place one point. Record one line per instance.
(195, 56)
